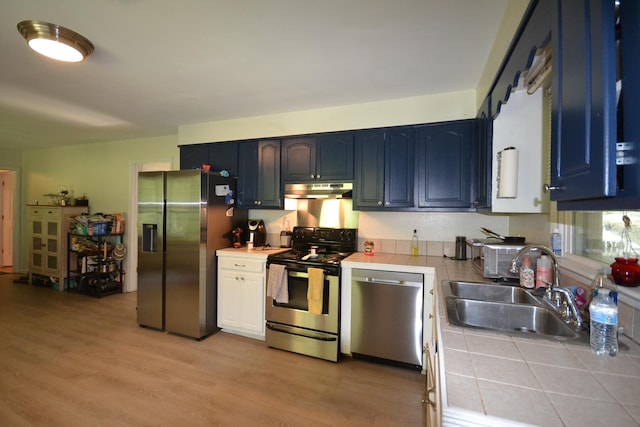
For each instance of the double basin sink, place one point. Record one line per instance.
(506, 309)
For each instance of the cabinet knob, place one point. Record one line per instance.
(379, 202)
(318, 176)
(546, 188)
(312, 176)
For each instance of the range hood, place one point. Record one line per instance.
(319, 191)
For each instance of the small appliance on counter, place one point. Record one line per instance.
(461, 248)
(257, 232)
(285, 235)
(493, 259)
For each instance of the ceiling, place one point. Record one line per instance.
(159, 64)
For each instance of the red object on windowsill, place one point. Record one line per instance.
(626, 272)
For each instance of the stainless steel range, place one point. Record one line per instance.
(303, 292)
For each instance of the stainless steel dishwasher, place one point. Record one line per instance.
(386, 315)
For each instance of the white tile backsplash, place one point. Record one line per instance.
(435, 248)
(403, 247)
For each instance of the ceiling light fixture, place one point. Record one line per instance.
(54, 41)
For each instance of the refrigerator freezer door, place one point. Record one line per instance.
(150, 249)
(185, 240)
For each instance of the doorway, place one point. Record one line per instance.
(7, 208)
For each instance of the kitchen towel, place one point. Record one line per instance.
(315, 290)
(277, 285)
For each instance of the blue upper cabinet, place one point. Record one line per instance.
(584, 100)
(259, 174)
(384, 169)
(193, 156)
(399, 155)
(224, 156)
(299, 159)
(588, 120)
(325, 157)
(219, 155)
(368, 186)
(444, 164)
(334, 157)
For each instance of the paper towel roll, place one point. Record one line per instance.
(508, 173)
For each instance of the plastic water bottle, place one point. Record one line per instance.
(556, 242)
(602, 283)
(604, 324)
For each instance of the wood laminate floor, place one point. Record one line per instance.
(72, 360)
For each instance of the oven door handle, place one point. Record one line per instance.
(302, 274)
(297, 331)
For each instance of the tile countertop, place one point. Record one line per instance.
(490, 379)
(408, 263)
(255, 253)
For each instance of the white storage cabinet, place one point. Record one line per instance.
(241, 296)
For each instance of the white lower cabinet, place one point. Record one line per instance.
(432, 391)
(241, 296)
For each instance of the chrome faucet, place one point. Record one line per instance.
(571, 307)
(552, 288)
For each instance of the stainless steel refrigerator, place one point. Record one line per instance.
(183, 218)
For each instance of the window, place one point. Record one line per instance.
(598, 235)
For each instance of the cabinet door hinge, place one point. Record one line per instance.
(623, 153)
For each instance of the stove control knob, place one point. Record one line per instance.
(346, 235)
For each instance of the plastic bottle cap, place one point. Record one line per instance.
(555, 230)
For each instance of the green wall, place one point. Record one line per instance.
(102, 171)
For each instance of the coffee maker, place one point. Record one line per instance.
(257, 232)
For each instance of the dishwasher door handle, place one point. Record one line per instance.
(375, 281)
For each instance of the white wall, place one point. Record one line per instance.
(10, 159)
(101, 171)
(414, 110)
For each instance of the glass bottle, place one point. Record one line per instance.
(414, 243)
